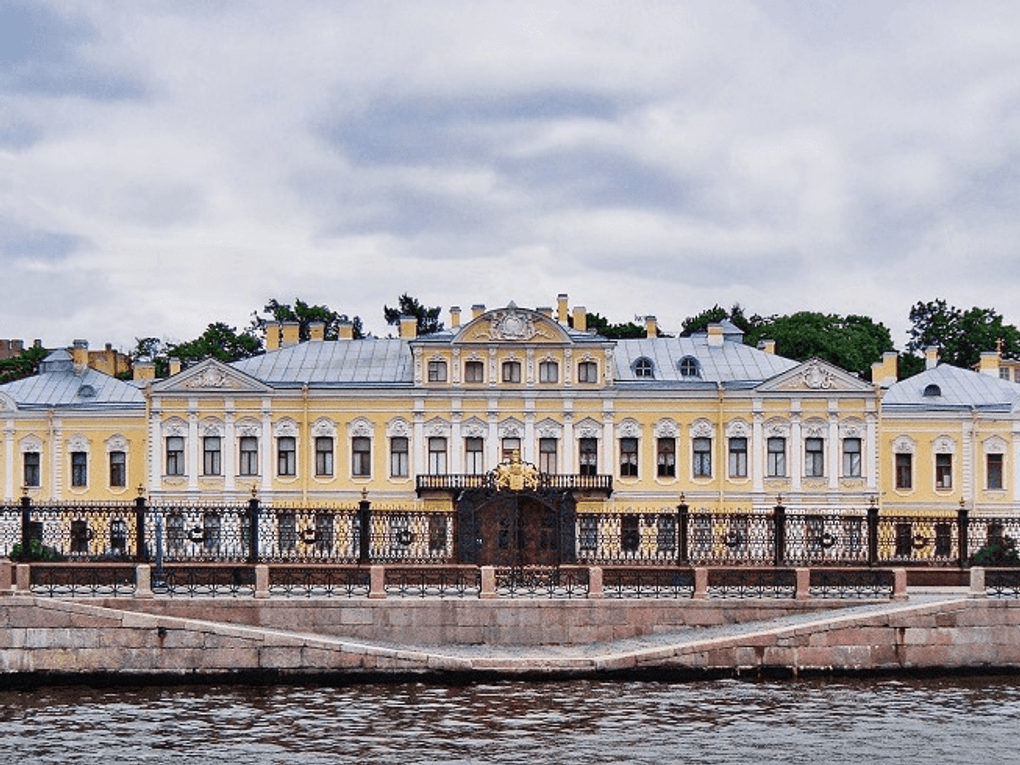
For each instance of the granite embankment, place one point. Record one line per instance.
(129, 639)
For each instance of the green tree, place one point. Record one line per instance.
(306, 314)
(960, 335)
(602, 326)
(25, 364)
(219, 341)
(699, 322)
(853, 342)
(427, 318)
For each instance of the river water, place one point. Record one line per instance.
(942, 720)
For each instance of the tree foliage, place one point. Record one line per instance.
(25, 364)
(624, 331)
(960, 335)
(305, 315)
(427, 318)
(699, 322)
(219, 341)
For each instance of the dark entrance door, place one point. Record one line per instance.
(516, 529)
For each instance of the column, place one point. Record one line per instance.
(608, 456)
(9, 460)
(969, 469)
(796, 451)
(456, 445)
(492, 445)
(56, 455)
(871, 452)
(832, 449)
(757, 455)
(419, 448)
(267, 446)
(528, 446)
(1015, 451)
(192, 461)
(229, 455)
(155, 451)
(568, 465)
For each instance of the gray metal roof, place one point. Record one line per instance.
(351, 362)
(58, 385)
(959, 388)
(730, 363)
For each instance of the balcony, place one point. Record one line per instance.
(555, 481)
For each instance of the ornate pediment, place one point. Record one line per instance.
(817, 376)
(210, 375)
(512, 325)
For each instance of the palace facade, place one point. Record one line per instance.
(625, 425)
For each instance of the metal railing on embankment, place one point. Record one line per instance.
(364, 534)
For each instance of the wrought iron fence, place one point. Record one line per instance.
(1002, 582)
(641, 582)
(319, 581)
(75, 580)
(752, 582)
(850, 583)
(542, 581)
(433, 581)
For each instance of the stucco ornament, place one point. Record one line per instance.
(816, 378)
(516, 475)
(208, 378)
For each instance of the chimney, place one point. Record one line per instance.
(767, 346)
(317, 331)
(546, 311)
(272, 335)
(144, 370)
(561, 308)
(477, 310)
(884, 372)
(989, 364)
(651, 327)
(291, 334)
(408, 327)
(715, 335)
(80, 354)
(346, 331)
(175, 366)
(19, 345)
(580, 318)
(931, 357)
(454, 317)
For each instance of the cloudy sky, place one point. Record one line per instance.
(168, 164)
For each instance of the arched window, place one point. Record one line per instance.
(643, 367)
(932, 390)
(689, 367)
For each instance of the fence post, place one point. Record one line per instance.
(364, 523)
(253, 528)
(683, 550)
(872, 535)
(26, 523)
(141, 551)
(779, 532)
(963, 534)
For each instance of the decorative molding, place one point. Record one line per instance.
(211, 427)
(702, 429)
(285, 427)
(588, 428)
(815, 429)
(210, 377)
(777, 428)
(943, 445)
(511, 429)
(360, 427)
(851, 429)
(474, 428)
(324, 428)
(30, 444)
(994, 445)
(629, 429)
(738, 429)
(816, 377)
(904, 445)
(549, 429)
(175, 426)
(666, 428)
(116, 443)
(437, 427)
(77, 443)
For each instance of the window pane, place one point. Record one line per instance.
(549, 372)
(852, 457)
(511, 371)
(361, 463)
(211, 453)
(629, 457)
(31, 464)
(547, 455)
(175, 455)
(437, 456)
(249, 455)
(904, 471)
(588, 450)
(437, 371)
(474, 455)
(286, 456)
(702, 451)
(398, 457)
(738, 457)
(943, 471)
(79, 469)
(814, 458)
(474, 372)
(994, 471)
(324, 455)
(118, 468)
(666, 458)
(587, 372)
(777, 457)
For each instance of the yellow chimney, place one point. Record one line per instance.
(454, 317)
(272, 340)
(884, 373)
(346, 331)
(651, 326)
(767, 346)
(477, 310)
(291, 334)
(175, 366)
(989, 364)
(580, 318)
(317, 331)
(931, 357)
(80, 354)
(144, 370)
(715, 335)
(408, 327)
(561, 308)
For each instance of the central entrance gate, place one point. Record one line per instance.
(515, 528)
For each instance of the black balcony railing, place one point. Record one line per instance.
(452, 482)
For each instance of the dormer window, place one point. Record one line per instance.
(474, 372)
(511, 371)
(689, 367)
(437, 371)
(643, 367)
(932, 390)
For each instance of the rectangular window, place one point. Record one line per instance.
(398, 457)
(904, 471)
(738, 458)
(361, 456)
(437, 455)
(943, 471)
(437, 371)
(994, 471)
(814, 458)
(118, 468)
(474, 372)
(474, 455)
(249, 455)
(511, 445)
(702, 453)
(79, 469)
(212, 451)
(511, 371)
(588, 452)
(852, 457)
(31, 468)
(629, 457)
(547, 455)
(587, 372)
(323, 455)
(548, 372)
(286, 455)
(175, 455)
(776, 467)
(666, 458)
